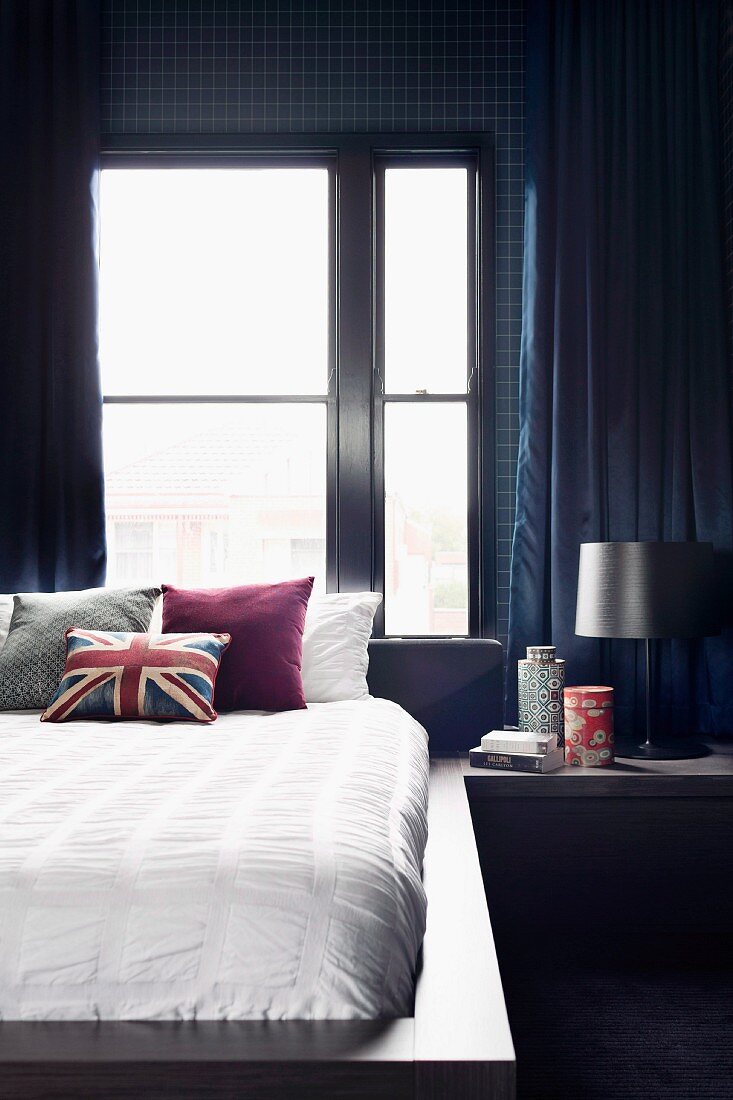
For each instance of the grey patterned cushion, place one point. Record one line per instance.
(33, 657)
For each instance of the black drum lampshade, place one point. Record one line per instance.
(645, 590)
(648, 590)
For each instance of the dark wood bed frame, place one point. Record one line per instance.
(457, 1043)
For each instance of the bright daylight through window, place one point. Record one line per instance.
(214, 294)
(425, 443)
(214, 282)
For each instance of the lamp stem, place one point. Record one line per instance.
(647, 646)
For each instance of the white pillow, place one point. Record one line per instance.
(156, 620)
(6, 614)
(335, 657)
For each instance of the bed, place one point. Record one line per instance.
(250, 894)
(264, 867)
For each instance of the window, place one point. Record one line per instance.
(293, 357)
(131, 549)
(214, 284)
(425, 353)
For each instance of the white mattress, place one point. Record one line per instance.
(263, 867)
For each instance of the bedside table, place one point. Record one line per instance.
(639, 851)
(610, 892)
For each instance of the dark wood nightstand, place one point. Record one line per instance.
(610, 892)
(641, 849)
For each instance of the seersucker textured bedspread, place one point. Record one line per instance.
(263, 867)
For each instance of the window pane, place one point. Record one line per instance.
(209, 495)
(426, 529)
(426, 280)
(214, 280)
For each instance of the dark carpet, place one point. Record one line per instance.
(606, 1036)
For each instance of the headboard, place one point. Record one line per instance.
(452, 686)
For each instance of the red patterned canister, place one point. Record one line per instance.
(589, 726)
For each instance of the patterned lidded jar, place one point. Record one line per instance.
(541, 678)
(589, 726)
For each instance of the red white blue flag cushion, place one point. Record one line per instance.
(124, 675)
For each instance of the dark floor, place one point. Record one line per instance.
(596, 1036)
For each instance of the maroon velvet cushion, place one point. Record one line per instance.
(261, 668)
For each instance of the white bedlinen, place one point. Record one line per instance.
(263, 867)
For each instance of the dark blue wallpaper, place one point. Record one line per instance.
(281, 66)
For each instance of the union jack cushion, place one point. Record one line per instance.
(120, 675)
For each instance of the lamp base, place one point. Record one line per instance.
(680, 749)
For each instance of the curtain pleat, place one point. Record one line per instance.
(626, 389)
(51, 481)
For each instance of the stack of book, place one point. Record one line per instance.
(511, 750)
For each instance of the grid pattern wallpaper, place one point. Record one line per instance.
(284, 66)
(726, 134)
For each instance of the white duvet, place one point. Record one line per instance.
(263, 867)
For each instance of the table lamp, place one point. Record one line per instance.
(647, 590)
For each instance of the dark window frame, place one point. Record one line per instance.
(354, 401)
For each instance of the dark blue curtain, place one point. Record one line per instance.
(626, 392)
(51, 489)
